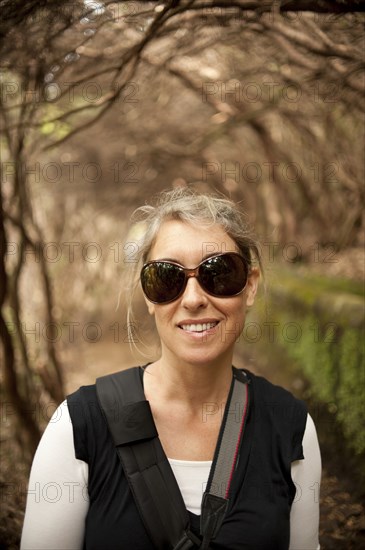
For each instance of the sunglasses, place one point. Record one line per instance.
(222, 276)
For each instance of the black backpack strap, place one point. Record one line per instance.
(148, 471)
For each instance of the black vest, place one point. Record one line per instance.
(258, 515)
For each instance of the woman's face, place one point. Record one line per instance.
(177, 322)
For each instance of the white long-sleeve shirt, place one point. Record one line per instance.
(57, 500)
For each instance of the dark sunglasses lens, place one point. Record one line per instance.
(224, 275)
(162, 281)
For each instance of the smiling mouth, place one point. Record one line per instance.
(198, 327)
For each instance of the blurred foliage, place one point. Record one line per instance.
(319, 323)
(261, 105)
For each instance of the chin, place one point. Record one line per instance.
(202, 358)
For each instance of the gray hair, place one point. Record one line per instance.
(187, 205)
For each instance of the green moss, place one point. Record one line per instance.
(320, 328)
(351, 388)
(315, 283)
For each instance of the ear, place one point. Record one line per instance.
(150, 306)
(252, 286)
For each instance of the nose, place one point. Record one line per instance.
(194, 296)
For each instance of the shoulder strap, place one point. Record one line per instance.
(148, 471)
(145, 465)
(216, 497)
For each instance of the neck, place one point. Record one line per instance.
(191, 384)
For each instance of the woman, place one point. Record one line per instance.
(200, 272)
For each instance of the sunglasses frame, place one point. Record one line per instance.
(194, 272)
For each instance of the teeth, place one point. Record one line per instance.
(199, 327)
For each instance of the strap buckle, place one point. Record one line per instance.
(188, 541)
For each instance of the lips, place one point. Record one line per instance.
(198, 327)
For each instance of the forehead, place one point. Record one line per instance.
(181, 241)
